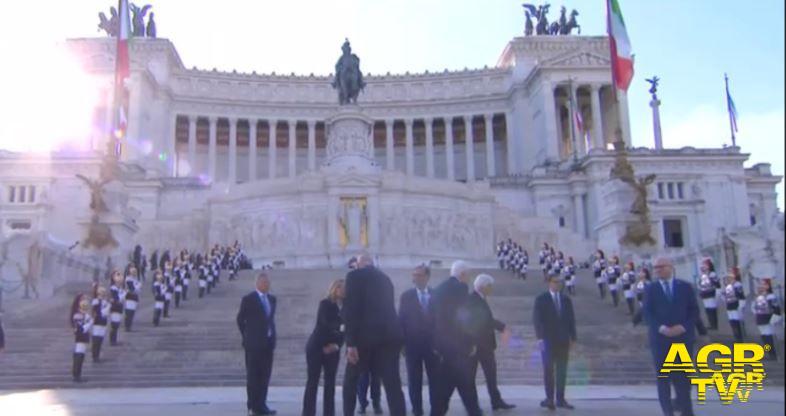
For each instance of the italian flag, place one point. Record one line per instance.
(122, 71)
(621, 56)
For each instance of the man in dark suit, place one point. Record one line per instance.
(256, 321)
(483, 326)
(373, 334)
(417, 322)
(670, 310)
(454, 342)
(555, 329)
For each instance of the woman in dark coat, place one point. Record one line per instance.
(322, 351)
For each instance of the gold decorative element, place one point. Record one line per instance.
(640, 231)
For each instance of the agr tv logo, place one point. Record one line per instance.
(732, 373)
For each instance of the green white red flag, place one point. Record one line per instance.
(621, 51)
(122, 71)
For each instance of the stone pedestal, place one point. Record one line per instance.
(350, 143)
(616, 219)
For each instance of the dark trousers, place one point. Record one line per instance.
(177, 299)
(156, 316)
(488, 362)
(455, 373)
(317, 361)
(185, 292)
(418, 357)
(602, 290)
(95, 344)
(369, 383)
(555, 370)
(113, 329)
(259, 364)
(712, 317)
(129, 319)
(382, 361)
(76, 370)
(681, 384)
(736, 329)
(614, 296)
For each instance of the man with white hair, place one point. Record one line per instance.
(483, 324)
(454, 342)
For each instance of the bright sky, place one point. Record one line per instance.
(688, 44)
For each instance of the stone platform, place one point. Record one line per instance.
(200, 345)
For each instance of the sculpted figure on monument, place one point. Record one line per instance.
(529, 28)
(653, 86)
(151, 27)
(540, 12)
(348, 79)
(111, 25)
(565, 27)
(138, 18)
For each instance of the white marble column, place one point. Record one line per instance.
(469, 143)
(598, 142)
(429, 124)
(272, 148)
(312, 145)
(510, 157)
(192, 125)
(449, 156)
(390, 150)
(252, 150)
(410, 146)
(552, 123)
(578, 209)
(232, 171)
(491, 163)
(292, 146)
(579, 136)
(211, 149)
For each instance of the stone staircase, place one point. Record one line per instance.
(199, 344)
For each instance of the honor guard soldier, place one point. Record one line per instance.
(117, 296)
(203, 270)
(159, 288)
(133, 285)
(188, 267)
(599, 271)
(543, 260)
(643, 279)
(733, 311)
(709, 284)
(628, 279)
(177, 273)
(101, 309)
(767, 310)
(612, 276)
(169, 286)
(82, 323)
(569, 275)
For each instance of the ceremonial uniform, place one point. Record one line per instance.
(117, 295)
(599, 270)
(612, 275)
(733, 311)
(765, 307)
(204, 272)
(628, 280)
(101, 310)
(169, 289)
(177, 274)
(82, 323)
(132, 300)
(569, 274)
(159, 288)
(709, 284)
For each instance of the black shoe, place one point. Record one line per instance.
(378, 410)
(502, 406)
(362, 410)
(267, 411)
(565, 405)
(547, 404)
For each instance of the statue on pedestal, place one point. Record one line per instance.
(640, 231)
(653, 87)
(99, 234)
(138, 18)
(150, 31)
(111, 25)
(348, 79)
(539, 13)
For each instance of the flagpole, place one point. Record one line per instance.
(614, 93)
(728, 110)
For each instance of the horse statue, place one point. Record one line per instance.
(111, 25)
(539, 13)
(138, 18)
(348, 79)
(554, 28)
(566, 28)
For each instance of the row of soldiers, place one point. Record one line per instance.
(514, 257)
(104, 309)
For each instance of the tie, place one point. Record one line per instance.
(667, 290)
(423, 301)
(557, 304)
(265, 305)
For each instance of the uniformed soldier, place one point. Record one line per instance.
(81, 323)
(133, 285)
(569, 275)
(177, 275)
(101, 308)
(628, 279)
(159, 288)
(117, 296)
(612, 275)
(766, 309)
(733, 308)
(709, 284)
(599, 270)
